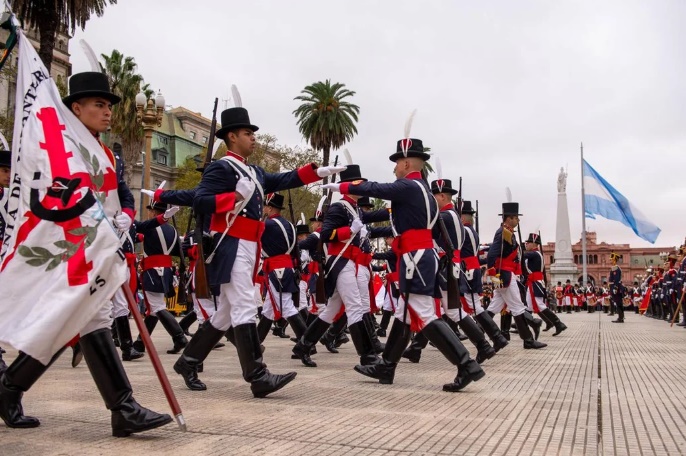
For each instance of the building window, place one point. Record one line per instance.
(191, 134)
(204, 139)
(552, 259)
(595, 259)
(576, 259)
(162, 159)
(164, 140)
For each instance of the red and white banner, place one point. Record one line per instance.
(61, 259)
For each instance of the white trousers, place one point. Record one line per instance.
(348, 292)
(272, 302)
(203, 307)
(389, 302)
(507, 296)
(363, 278)
(236, 303)
(120, 307)
(422, 306)
(473, 302)
(155, 301)
(304, 295)
(540, 303)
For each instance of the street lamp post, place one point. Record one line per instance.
(140, 197)
(149, 114)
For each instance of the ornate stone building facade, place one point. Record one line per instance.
(634, 260)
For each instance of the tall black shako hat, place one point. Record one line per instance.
(274, 200)
(352, 173)
(510, 209)
(467, 208)
(364, 201)
(409, 147)
(233, 118)
(5, 158)
(535, 238)
(443, 186)
(158, 206)
(301, 229)
(89, 84)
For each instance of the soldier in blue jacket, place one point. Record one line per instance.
(535, 283)
(231, 194)
(160, 243)
(278, 245)
(504, 268)
(342, 232)
(413, 214)
(616, 287)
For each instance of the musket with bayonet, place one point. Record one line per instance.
(452, 279)
(476, 222)
(295, 253)
(202, 288)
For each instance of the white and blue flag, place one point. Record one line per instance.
(601, 198)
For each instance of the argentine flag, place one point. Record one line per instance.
(601, 198)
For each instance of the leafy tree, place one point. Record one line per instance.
(324, 118)
(127, 83)
(48, 16)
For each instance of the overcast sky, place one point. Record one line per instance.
(505, 91)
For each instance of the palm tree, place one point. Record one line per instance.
(126, 82)
(49, 15)
(325, 120)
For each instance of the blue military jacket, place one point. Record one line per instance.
(279, 239)
(470, 282)
(158, 240)
(505, 250)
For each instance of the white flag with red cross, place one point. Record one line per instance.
(61, 260)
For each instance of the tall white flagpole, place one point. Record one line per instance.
(584, 273)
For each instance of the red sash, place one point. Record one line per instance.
(156, 261)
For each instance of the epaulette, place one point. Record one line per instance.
(507, 236)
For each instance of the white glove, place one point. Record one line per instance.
(495, 280)
(326, 171)
(356, 226)
(151, 193)
(169, 213)
(334, 187)
(364, 232)
(304, 256)
(123, 222)
(245, 187)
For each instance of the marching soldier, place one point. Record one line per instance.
(391, 294)
(471, 284)
(232, 193)
(91, 102)
(503, 268)
(343, 232)
(535, 296)
(670, 283)
(559, 297)
(278, 243)
(568, 294)
(616, 287)
(413, 215)
(160, 243)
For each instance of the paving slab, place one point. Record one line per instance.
(599, 388)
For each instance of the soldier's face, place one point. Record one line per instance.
(4, 176)
(401, 168)
(530, 245)
(94, 112)
(243, 142)
(315, 225)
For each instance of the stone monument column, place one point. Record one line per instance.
(563, 267)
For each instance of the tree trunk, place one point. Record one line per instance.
(47, 31)
(325, 160)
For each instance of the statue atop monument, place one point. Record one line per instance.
(562, 181)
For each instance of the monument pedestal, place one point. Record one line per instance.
(563, 268)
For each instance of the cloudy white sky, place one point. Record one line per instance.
(505, 91)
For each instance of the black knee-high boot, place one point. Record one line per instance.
(263, 327)
(368, 319)
(313, 333)
(20, 375)
(485, 319)
(534, 323)
(476, 336)
(255, 371)
(150, 323)
(200, 345)
(330, 337)
(384, 371)
(299, 328)
(446, 341)
(186, 322)
(385, 320)
(128, 353)
(108, 372)
(525, 334)
(413, 352)
(359, 333)
(559, 326)
(174, 330)
(505, 323)
(548, 323)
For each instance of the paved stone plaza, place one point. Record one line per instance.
(600, 388)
